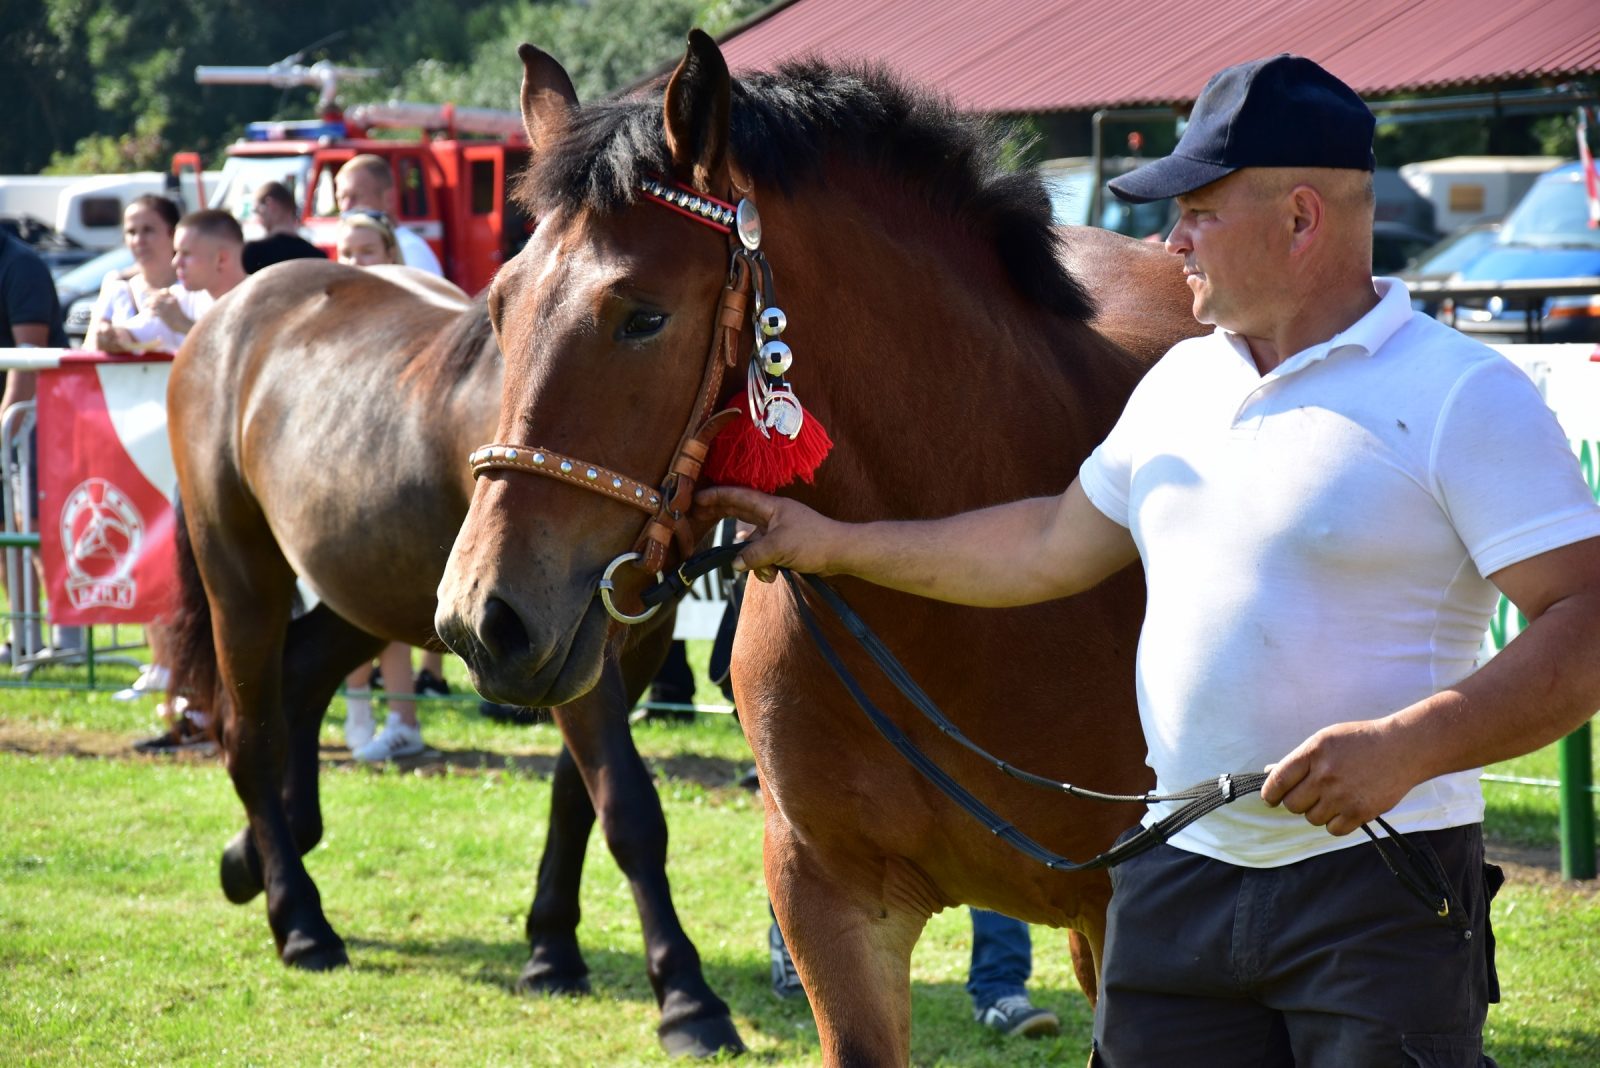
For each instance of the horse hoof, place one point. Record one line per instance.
(703, 1037)
(241, 881)
(302, 951)
(538, 978)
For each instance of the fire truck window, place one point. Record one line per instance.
(482, 186)
(323, 202)
(412, 190)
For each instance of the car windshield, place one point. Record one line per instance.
(88, 276)
(1453, 253)
(1555, 213)
(235, 192)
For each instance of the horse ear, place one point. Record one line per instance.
(695, 115)
(548, 98)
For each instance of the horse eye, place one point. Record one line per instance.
(642, 324)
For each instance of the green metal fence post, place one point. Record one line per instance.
(1577, 805)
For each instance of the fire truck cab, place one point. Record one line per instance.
(451, 182)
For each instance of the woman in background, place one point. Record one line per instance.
(367, 239)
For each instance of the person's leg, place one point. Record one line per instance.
(1371, 974)
(1002, 957)
(431, 678)
(1002, 960)
(401, 735)
(1178, 972)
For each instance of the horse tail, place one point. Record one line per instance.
(190, 651)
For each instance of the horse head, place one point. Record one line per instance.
(604, 320)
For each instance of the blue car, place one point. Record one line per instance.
(1546, 236)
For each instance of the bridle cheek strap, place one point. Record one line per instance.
(667, 503)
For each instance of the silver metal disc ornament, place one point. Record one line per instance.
(748, 223)
(776, 358)
(772, 321)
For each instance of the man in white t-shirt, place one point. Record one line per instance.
(1326, 494)
(366, 182)
(207, 248)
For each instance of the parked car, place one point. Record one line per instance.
(1546, 236)
(59, 253)
(78, 288)
(1443, 259)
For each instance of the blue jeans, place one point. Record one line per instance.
(1002, 958)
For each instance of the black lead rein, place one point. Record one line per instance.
(1425, 880)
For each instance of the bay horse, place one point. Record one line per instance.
(955, 361)
(317, 420)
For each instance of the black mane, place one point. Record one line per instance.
(785, 123)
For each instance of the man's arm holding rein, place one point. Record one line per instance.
(1539, 688)
(1011, 554)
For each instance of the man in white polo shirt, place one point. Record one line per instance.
(1326, 494)
(365, 182)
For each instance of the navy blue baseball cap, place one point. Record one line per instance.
(1284, 111)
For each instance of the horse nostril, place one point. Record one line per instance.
(502, 632)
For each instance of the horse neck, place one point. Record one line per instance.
(943, 387)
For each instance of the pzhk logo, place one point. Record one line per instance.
(101, 532)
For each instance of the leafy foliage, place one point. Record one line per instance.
(108, 85)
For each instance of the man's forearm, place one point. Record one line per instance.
(1541, 687)
(992, 557)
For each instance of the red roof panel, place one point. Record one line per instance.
(1038, 55)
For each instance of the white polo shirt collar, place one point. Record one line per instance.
(1366, 335)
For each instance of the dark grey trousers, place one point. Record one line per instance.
(1327, 963)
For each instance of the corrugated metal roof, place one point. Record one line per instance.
(1057, 55)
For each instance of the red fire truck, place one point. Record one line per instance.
(451, 180)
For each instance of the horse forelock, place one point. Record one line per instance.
(784, 127)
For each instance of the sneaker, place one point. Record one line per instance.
(785, 980)
(395, 740)
(1015, 1015)
(428, 682)
(152, 679)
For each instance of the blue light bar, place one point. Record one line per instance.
(294, 130)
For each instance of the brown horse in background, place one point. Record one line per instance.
(319, 417)
(956, 364)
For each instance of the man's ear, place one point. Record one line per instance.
(1308, 215)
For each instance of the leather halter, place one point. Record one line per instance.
(667, 502)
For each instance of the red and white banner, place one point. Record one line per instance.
(106, 483)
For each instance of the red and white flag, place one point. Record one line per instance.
(106, 483)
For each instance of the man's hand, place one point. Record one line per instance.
(787, 533)
(1344, 775)
(167, 308)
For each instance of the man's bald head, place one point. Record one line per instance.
(364, 181)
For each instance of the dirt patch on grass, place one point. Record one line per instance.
(46, 740)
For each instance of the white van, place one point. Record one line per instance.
(1465, 189)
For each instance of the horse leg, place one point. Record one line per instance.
(1085, 963)
(694, 1020)
(250, 641)
(556, 965)
(851, 944)
(319, 650)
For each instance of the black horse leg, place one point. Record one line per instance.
(320, 649)
(694, 1020)
(556, 964)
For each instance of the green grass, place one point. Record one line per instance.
(117, 948)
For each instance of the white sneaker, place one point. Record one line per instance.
(358, 725)
(395, 740)
(152, 679)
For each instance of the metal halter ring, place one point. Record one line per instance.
(606, 586)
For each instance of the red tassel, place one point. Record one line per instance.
(741, 456)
